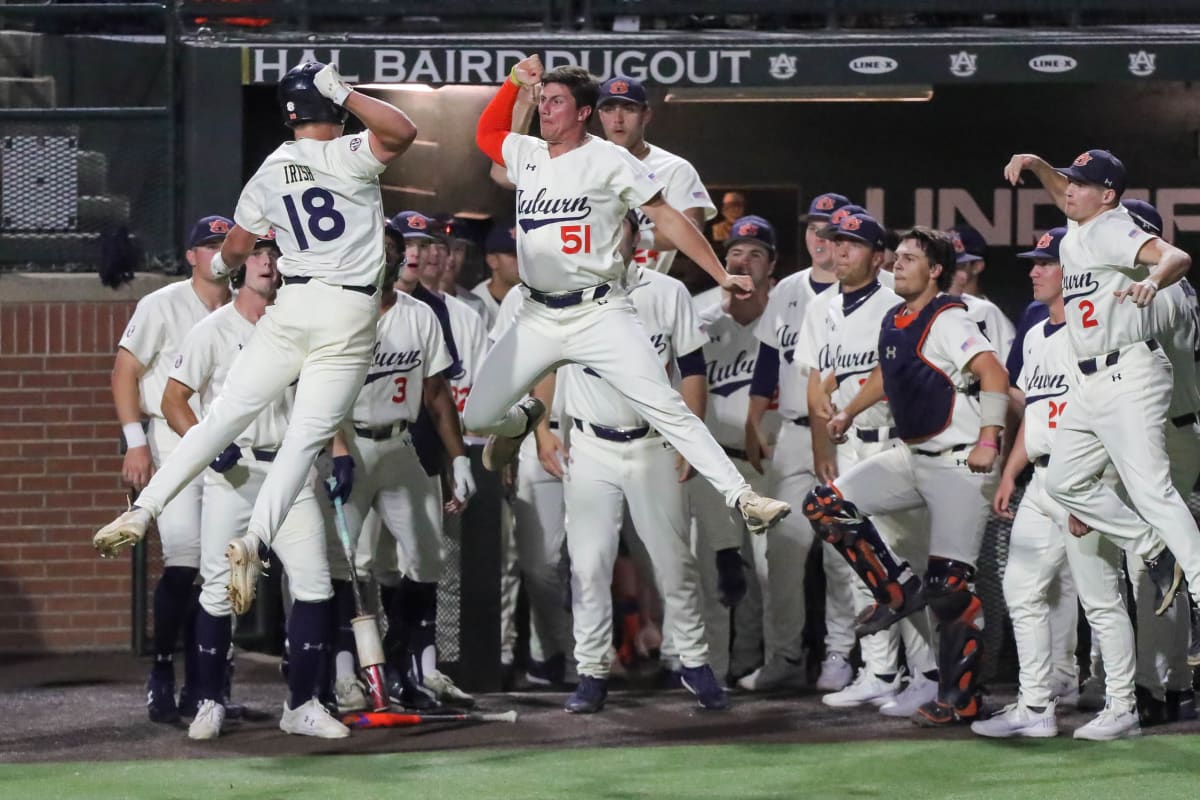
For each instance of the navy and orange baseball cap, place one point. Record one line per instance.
(413, 225)
(858, 228)
(751, 228)
(213, 228)
(1046, 248)
(823, 205)
(840, 214)
(1145, 215)
(969, 244)
(1097, 167)
(502, 238)
(622, 89)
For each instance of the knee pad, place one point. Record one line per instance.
(948, 592)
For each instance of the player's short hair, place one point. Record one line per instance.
(938, 248)
(582, 85)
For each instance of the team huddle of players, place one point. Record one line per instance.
(869, 390)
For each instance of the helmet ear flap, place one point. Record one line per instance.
(238, 279)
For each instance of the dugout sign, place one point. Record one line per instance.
(749, 65)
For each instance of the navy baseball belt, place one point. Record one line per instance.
(873, 435)
(1183, 420)
(805, 421)
(568, 299)
(1089, 366)
(380, 433)
(369, 291)
(958, 448)
(733, 452)
(260, 454)
(1042, 461)
(615, 434)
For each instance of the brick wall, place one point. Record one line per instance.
(60, 469)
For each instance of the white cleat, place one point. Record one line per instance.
(209, 719)
(499, 451)
(761, 513)
(1017, 720)
(127, 529)
(446, 691)
(867, 689)
(1114, 722)
(244, 569)
(1065, 692)
(920, 690)
(311, 719)
(836, 673)
(777, 673)
(350, 695)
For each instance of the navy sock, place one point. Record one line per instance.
(213, 636)
(308, 637)
(343, 604)
(189, 637)
(172, 603)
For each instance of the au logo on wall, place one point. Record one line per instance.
(963, 64)
(1141, 64)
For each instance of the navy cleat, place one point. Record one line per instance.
(702, 683)
(589, 695)
(160, 698)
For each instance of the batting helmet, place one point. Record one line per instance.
(300, 102)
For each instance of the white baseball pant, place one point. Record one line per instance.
(179, 523)
(299, 545)
(602, 478)
(1118, 416)
(322, 334)
(608, 337)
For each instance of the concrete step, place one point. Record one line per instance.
(22, 54)
(27, 92)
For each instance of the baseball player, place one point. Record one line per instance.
(320, 193)
(406, 374)
(144, 357)
(932, 361)
(569, 211)
(837, 351)
(459, 245)
(1125, 388)
(790, 473)
(624, 114)
(230, 485)
(970, 247)
(1039, 543)
(500, 253)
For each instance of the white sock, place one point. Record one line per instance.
(344, 664)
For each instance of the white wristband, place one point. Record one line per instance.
(217, 266)
(134, 435)
(341, 91)
(645, 240)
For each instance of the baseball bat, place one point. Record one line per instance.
(394, 719)
(366, 631)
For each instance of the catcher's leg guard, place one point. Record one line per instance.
(960, 650)
(891, 581)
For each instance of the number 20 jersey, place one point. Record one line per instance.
(1047, 379)
(322, 198)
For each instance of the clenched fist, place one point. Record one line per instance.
(330, 84)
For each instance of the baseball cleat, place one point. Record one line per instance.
(312, 719)
(1065, 692)
(1017, 720)
(160, 698)
(589, 695)
(868, 688)
(404, 693)
(244, 568)
(127, 529)
(1166, 575)
(208, 721)
(761, 513)
(1092, 694)
(702, 683)
(836, 673)
(936, 714)
(780, 672)
(1113, 722)
(441, 685)
(349, 695)
(875, 617)
(920, 690)
(501, 450)
(1181, 705)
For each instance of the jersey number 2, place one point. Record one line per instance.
(325, 223)
(576, 239)
(1089, 310)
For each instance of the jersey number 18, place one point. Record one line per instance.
(318, 207)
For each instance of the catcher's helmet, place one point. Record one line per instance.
(300, 102)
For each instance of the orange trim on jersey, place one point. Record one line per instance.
(495, 123)
(921, 355)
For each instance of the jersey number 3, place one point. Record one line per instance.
(401, 390)
(325, 223)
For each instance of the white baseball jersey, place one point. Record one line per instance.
(1176, 317)
(466, 327)
(1047, 379)
(779, 327)
(322, 199)
(665, 309)
(408, 349)
(682, 190)
(491, 306)
(208, 352)
(570, 210)
(846, 341)
(1098, 258)
(729, 358)
(991, 320)
(155, 335)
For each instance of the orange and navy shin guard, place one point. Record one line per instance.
(960, 649)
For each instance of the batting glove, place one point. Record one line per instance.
(343, 478)
(330, 84)
(464, 481)
(228, 457)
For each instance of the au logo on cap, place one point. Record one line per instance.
(839, 215)
(1044, 242)
(824, 203)
(959, 247)
(851, 224)
(1083, 160)
(416, 222)
(218, 226)
(747, 229)
(618, 87)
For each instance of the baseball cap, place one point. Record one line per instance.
(840, 214)
(213, 228)
(751, 228)
(1047, 246)
(502, 238)
(622, 88)
(1098, 167)
(267, 240)
(823, 205)
(413, 225)
(1145, 215)
(859, 228)
(969, 244)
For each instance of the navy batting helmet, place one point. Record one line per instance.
(300, 101)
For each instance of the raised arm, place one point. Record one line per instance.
(496, 121)
(691, 242)
(1054, 182)
(390, 130)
